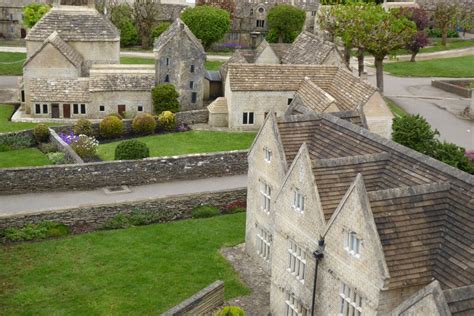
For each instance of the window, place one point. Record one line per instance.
(266, 192)
(268, 154)
(251, 11)
(297, 261)
(75, 108)
(140, 108)
(260, 23)
(261, 10)
(192, 68)
(167, 78)
(167, 61)
(298, 200)
(102, 108)
(352, 243)
(191, 84)
(350, 303)
(193, 97)
(263, 243)
(45, 108)
(22, 95)
(313, 13)
(247, 118)
(293, 307)
(290, 100)
(38, 108)
(83, 109)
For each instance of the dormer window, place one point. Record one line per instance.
(298, 200)
(352, 243)
(268, 154)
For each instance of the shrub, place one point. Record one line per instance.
(439, 33)
(165, 98)
(131, 150)
(85, 146)
(235, 207)
(414, 132)
(68, 138)
(41, 133)
(47, 148)
(205, 211)
(36, 231)
(57, 158)
(84, 127)
(11, 142)
(230, 311)
(453, 155)
(128, 33)
(120, 117)
(183, 127)
(167, 121)
(144, 124)
(136, 218)
(111, 127)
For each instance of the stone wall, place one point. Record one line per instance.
(115, 173)
(94, 217)
(430, 5)
(203, 302)
(69, 153)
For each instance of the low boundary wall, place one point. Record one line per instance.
(450, 86)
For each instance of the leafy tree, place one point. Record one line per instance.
(209, 24)
(128, 33)
(466, 21)
(146, 13)
(165, 98)
(420, 39)
(33, 12)
(285, 22)
(121, 16)
(445, 18)
(414, 132)
(159, 29)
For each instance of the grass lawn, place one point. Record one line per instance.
(11, 64)
(136, 271)
(186, 143)
(396, 110)
(457, 67)
(454, 43)
(213, 64)
(6, 126)
(27, 157)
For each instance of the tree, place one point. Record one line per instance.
(420, 39)
(285, 22)
(159, 29)
(445, 18)
(165, 98)
(466, 21)
(414, 132)
(146, 13)
(33, 12)
(121, 15)
(209, 24)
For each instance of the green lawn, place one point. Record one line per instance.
(186, 143)
(6, 126)
(27, 157)
(457, 67)
(135, 271)
(11, 64)
(454, 43)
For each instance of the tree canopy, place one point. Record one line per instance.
(209, 24)
(445, 16)
(285, 22)
(33, 12)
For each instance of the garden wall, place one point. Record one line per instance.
(94, 217)
(128, 172)
(451, 87)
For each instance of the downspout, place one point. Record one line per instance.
(318, 255)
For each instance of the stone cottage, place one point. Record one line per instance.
(253, 91)
(179, 59)
(11, 18)
(349, 223)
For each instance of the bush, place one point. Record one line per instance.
(238, 206)
(85, 146)
(36, 231)
(230, 311)
(111, 127)
(47, 148)
(12, 142)
(131, 150)
(163, 26)
(120, 117)
(205, 211)
(41, 133)
(453, 155)
(83, 127)
(128, 33)
(57, 158)
(144, 124)
(165, 98)
(414, 132)
(438, 33)
(136, 218)
(167, 121)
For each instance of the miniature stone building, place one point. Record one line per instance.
(179, 59)
(371, 222)
(11, 18)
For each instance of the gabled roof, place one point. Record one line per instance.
(122, 78)
(313, 97)
(66, 50)
(74, 23)
(60, 90)
(177, 29)
(309, 49)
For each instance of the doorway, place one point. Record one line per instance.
(55, 110)
(66, 110)
(121, 110)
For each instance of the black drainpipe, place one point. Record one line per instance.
(318, 255)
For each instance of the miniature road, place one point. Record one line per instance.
(45, 201)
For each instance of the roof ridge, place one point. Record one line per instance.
(419, 189)
(358, 159)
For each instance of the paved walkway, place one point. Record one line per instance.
(45, 201)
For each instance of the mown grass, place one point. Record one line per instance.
(396, 110)
(6, 126)
(27, 157)
(213, 64)
(186, 143)
(136, 271)
(458, 67)
(11, 64)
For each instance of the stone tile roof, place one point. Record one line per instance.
(460, 300)
(74, 23)
(213, 75)
(122, 78)
(60, 90)
(280, 49)
(309, 49)
(423, 208)
(66, 50)
(313, 97)
(177, 28)
(219, 105)
(348, 90)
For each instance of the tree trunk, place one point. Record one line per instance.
(347, 55)
(280, 38)
(413, 55)
(444, 36)
(379, 73)
(360, 59)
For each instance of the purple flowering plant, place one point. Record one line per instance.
(69, 138)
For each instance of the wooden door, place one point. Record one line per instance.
(55, 110)
(66, 110)
(121, 110)
(23, 33)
